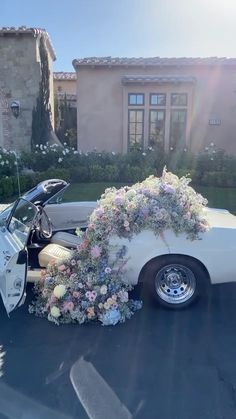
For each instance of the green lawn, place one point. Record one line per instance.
(217, 197)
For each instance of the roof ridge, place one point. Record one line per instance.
(150, 61)
(4, 30)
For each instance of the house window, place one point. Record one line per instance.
(158, 99)
(178, 119)
(136, 99)
(156, 127)
(179, 99)
(135, 128)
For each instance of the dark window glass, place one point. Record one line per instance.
(136, 99)
(179, 99)
(158, 99)
(135, 129)
(156, 128)
(178, 128)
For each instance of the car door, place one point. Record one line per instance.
(13, 253)
(69, 215)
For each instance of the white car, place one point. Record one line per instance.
(176, 267)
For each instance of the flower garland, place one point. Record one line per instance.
(88, 286)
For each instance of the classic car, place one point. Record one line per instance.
(176, 267)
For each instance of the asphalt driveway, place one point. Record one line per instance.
(160, 364)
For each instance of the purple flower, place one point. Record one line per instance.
(118, 201)
(168, 189)
(95, 252)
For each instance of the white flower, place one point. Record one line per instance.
(59, 291)
(37, 146)
(212, 144)
(55, 312)
(41, 146)
(2, 163)
(43, 152)
(60, 160)
(103, 289)
(63, 152)
(67, 150)
(171, 149)
(7, 161)
(76, 152)
(113, 153)
(144, 154)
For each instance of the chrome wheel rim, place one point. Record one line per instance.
(175, 283)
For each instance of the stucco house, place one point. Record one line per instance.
(175, 102)
(20, 75)
(64, 83)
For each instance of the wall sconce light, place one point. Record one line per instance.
(15, 108)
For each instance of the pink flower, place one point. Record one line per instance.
(53, 299)
(99, 212)
(68, 306)
(91, 295)
(126, 224)
(95, 251)
(76, 294)
(61, 267)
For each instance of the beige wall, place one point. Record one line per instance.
(102, 105)
(67, 86)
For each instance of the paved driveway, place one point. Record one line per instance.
(159, 364)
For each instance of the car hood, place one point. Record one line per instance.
(220, 218)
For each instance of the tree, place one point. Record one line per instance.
(41, 121)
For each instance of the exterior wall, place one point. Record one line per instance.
(102, 105)
(65, 86)
(19, 80)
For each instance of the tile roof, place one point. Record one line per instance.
(64, 75)
(157, 79)
(152, 61)
(35, 32)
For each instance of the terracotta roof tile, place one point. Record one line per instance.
(157, 79)
(63, 75)
(152, 61)
(23, 30)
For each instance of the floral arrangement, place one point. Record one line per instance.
(88, 286)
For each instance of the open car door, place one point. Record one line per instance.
(14, 256)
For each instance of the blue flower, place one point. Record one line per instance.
(111, 317)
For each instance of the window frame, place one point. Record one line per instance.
(136, 94)
(156, 94)
(179, 93)
(143, 114)
(185, 110)
(149, 124)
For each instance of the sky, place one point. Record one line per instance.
(128, 28)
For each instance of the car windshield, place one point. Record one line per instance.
(21, 220)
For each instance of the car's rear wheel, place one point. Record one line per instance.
(176, 281)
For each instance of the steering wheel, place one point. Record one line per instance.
(44, 224)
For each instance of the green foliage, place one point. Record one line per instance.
(41, 122)
(66, 122)
(211, 168)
